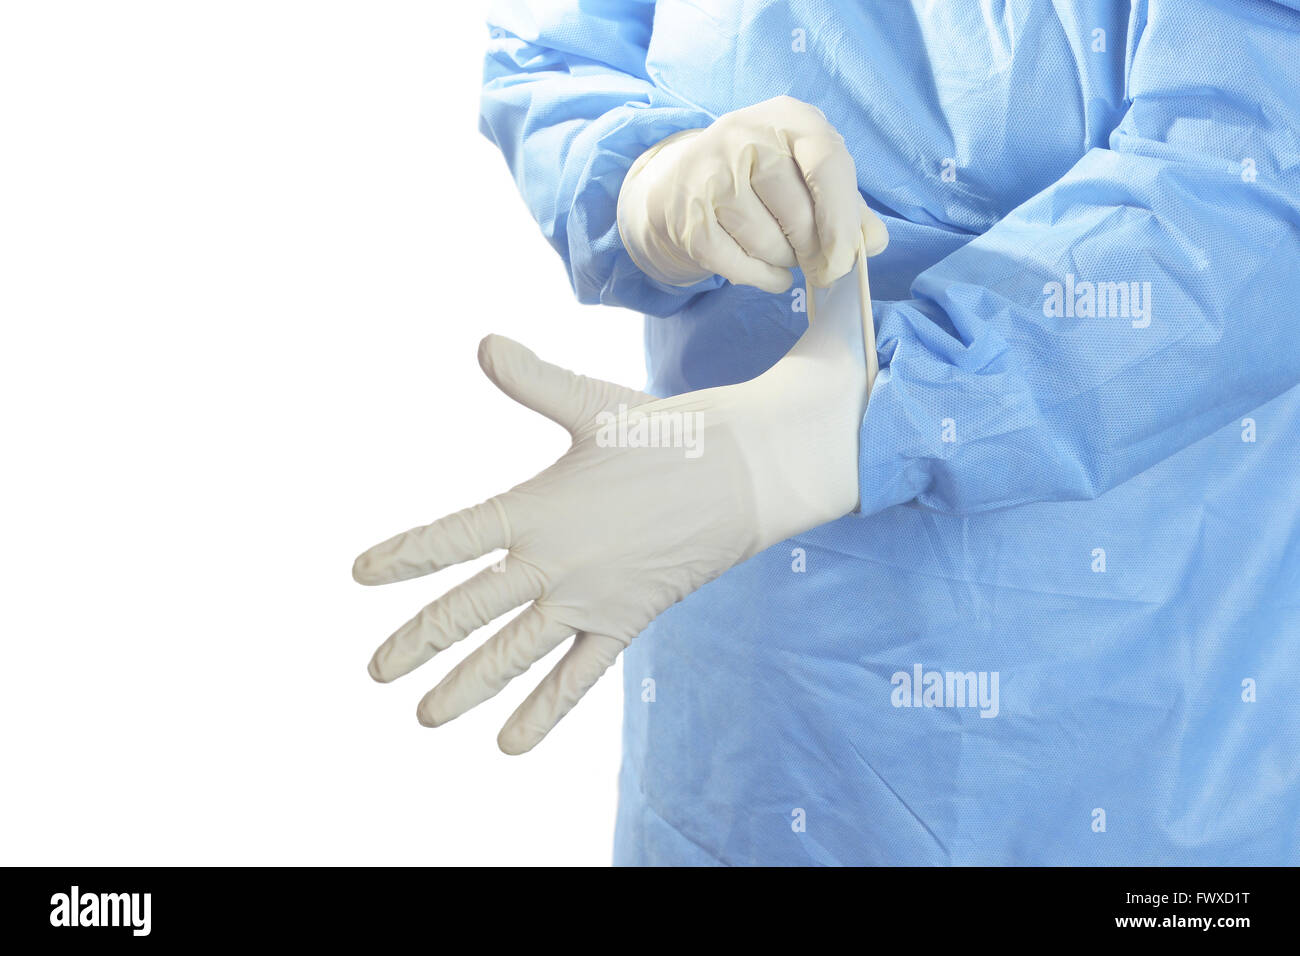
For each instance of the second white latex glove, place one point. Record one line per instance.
(760, 191)
(653, 499)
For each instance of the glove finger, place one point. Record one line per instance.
(463, 609)
(752, 226)
(467, 534)
(575, 674)
(507, 654)
(828, 170)
(715, 249)
(780, 186)
(562, 396)
(875, 236)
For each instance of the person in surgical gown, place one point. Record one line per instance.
(1084, 510)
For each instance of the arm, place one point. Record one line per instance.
(995, 390)
(567, 99)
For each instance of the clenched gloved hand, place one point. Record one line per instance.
(760, 191)
(654, 498)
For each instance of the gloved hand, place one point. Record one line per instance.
(655, 498)
(761, 190)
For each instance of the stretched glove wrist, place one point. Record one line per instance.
(798, 424)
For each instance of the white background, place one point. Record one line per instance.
(247, 250)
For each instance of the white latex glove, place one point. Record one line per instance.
(610, 535)
(761, 190)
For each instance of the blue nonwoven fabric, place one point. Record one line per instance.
(1065, 625)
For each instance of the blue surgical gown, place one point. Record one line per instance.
(1094, 501)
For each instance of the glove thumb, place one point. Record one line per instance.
(564, 397)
